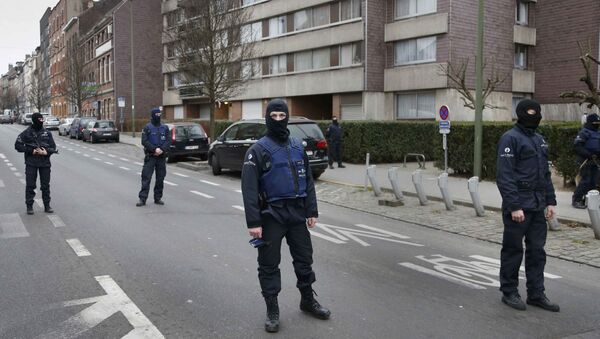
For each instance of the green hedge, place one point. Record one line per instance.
(389, 141)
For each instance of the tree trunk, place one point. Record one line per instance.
(212, 120)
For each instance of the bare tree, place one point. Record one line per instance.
(76, 88)
(212, 45)
(457, 75)
(38, 94)
(591, 97)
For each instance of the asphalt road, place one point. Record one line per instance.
(102, 268)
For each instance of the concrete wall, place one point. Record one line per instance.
(425, 25)
(413, 77)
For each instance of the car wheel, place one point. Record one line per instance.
(214, 164)
(316, 174)
(117, 139)
(92, 139)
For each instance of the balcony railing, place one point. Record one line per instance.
(190, 91)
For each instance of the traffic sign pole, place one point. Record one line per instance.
(444, 131)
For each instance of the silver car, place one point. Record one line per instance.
(65, 126)
(51, 122)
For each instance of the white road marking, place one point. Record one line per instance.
(326, 237)
(69, 149)
(2, 183)
(181, 175)
(108, 163)
(85, 147)
(345, 234)
(104, 307)
(77, 152)
(522, 268)
(11, 226)
(14, 169)
(9, 164)
(241, 208)
(139, 163)
(78, 248)
(6, 160)
(86, 155)
(23, 181)
(382, 231)
(441, 275)
(18, 174)
(169, 183)
(112, 155)
(56, 220)
(2, 156)
(124, 168)
(101, 152)
(210, 183)
(203, 194)
(123, 159)
(239, 191)
(39, 202)
(98, 159)
(139, 173)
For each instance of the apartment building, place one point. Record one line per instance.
(43, 55)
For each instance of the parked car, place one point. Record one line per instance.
(6, 119)
(51, 122)
(100, 130)
(26, 119)
(230, 147)
(77, 126)
(65, 126)
(187, 139)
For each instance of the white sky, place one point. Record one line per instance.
(20, 29)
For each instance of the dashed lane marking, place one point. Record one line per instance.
(77, 152)
(23, 181)
(108, 163)
(78, 248)
(138, 163)
(124, 168)
(169, 183)
(17, 174)
(14, 169)
(203, 194)
(2, 183)
(11, 226)
(210, 183)
(97, 159)
(39, 202)
(112, 155)
(238, 207)
(86, 155)
(56, 220)
(181, 175)
(123, 159)
(2, 156)
(239, 191)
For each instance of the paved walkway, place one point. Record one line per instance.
(345, 187)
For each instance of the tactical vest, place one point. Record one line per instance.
(592, 144)
(157, 135)
(285, 178)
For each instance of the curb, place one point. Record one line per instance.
(561, 220)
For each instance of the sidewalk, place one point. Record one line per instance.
(457, 186)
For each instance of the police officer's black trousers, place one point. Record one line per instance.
(534, 230)
(31, 173)
(152, 163)
(335, 152)
(269, 257)
(589, 177)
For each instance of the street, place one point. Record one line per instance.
(100, 267)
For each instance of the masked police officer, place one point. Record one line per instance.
(587, 147)
(523, 178)
(156, 141)
(335, 135)
(38, 145)
(280, 201)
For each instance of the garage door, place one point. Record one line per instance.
(252, 109)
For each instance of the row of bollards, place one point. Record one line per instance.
(473, 187)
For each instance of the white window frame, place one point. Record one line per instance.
(280, 25)
(414, 59)
(355, 58)
(355, 10)
(251, 32)
(277, 64)
(414, 8)
(418, 108)
(521, 52)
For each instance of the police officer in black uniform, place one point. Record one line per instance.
(156, 141)
(280, 201)
(38, 145)
(335, 135)
(523, 178)
(587, 147)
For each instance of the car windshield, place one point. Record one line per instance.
(306, 131)
(190, 131)
(105, 124)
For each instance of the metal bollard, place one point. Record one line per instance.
(553, 224)
(443, 184)
(393, 176)
(367, 168)
(473, 185)
(417, 179)
(593, 203)
(373, 180)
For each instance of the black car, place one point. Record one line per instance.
(77, 127)
(101, 130)
(230, 147)
(187, 139)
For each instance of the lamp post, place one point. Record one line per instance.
(478, 95)
(132, 68)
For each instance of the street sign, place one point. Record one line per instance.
(444, 112)
(444, 126)
(121, 102)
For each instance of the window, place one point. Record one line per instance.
(251, 69)
(277, 26)
(248, 2)
(406, 8)
(415, 51)
(320, 16)
(173, 80)
(311, 17)
(302, 61)
(522, 14)
(316, 59)
(230, 134)
(349, 9)
(350, 54)
(520, 56)
(419, 105)
(251, 32)
(277, 64)
(302, 20)
(321, 58)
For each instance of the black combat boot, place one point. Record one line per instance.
(272, 322)
(48, 209)
(141, 203)
(30, 209)
(543, 302)
(309, 304)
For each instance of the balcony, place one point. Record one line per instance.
(415, 27)
(190, 92)
(524, 35)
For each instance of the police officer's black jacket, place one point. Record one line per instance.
(31, 139)
(522, 172)
(334, 133)
(152, 138)
(582, 146)
(285, 211)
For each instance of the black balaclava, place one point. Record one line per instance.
(334, 120)
(528, 120)
(155, 117)
(277, 129)
(35, 121)
(592, 122)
